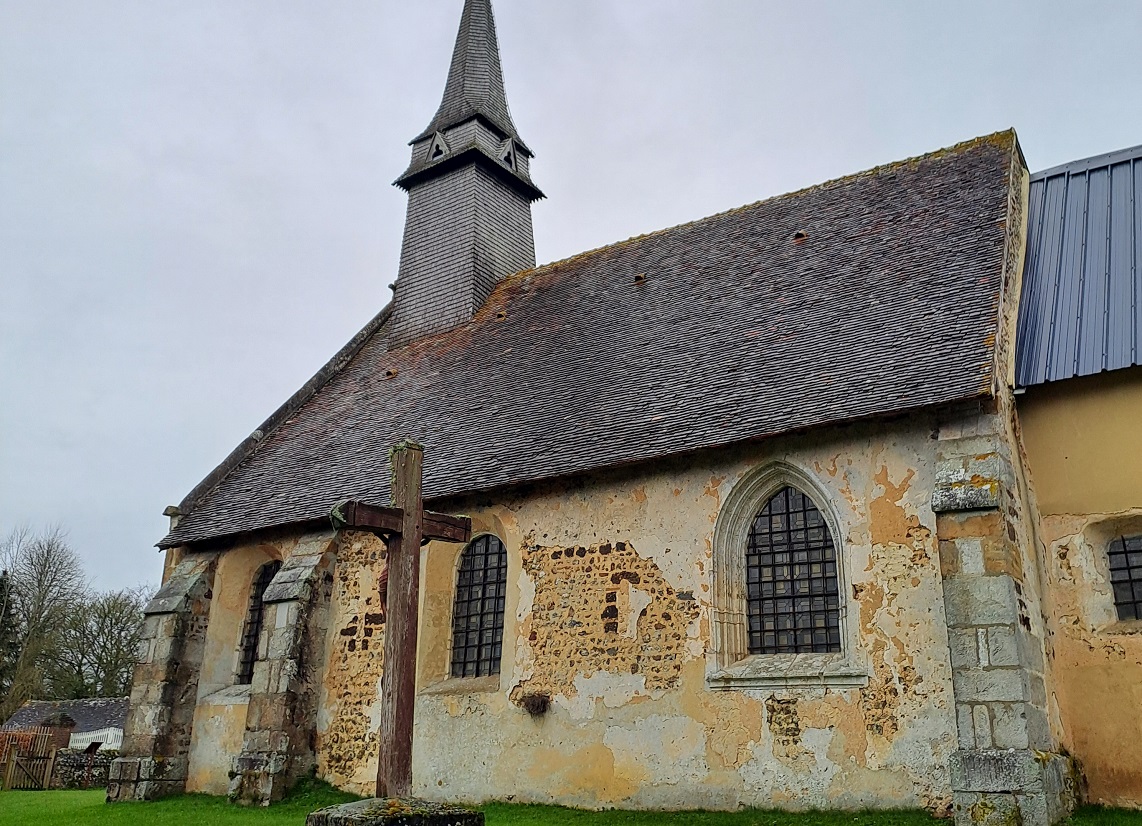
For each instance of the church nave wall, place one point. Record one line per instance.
(609, 619)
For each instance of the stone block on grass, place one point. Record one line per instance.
(395, 812)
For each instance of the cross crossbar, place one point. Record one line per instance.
(354, 515)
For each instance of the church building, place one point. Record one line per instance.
(833, 500)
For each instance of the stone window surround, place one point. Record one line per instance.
(255, 648)
(729, 665)
(448, 684)
(1099, 533)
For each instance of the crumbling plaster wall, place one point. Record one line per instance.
(609, 613)
(1083, 444)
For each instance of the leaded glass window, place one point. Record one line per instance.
(478, 612)
(792, 595)
(1126, 576)
(252, 630)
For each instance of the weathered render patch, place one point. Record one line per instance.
(1097, 658)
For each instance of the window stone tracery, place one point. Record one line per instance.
(780, 596)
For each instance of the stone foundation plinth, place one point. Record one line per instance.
(145, 778)
(394, 812)
(1015, 786)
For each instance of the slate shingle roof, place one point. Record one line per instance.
(475, 85)
(707, 334)
(89, 715)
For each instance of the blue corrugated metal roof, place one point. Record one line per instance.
(1081, 309)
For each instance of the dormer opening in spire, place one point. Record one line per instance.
(437, 148)
(469, 193)
(507, 153)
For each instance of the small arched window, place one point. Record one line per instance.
(478, 611)
(252, 630)
(792, 592)
(1125, 554)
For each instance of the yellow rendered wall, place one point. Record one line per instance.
(1083, 445)
(633, 721)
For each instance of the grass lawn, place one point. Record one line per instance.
(88, 809)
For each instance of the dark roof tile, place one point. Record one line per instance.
(89, 715)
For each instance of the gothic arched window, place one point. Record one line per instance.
(779, 598)
(478, 611)
(252, 630)
(792, 592)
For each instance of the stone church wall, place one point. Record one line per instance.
(609, 615)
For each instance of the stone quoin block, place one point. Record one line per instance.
(983, 809)
(984, 600)
(963, 644)
(1002, 647)
(1010, 725)
(984, 685)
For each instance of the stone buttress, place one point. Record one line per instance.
(277, 746)
(156, 739)
(1008, 768)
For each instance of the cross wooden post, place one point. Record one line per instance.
(405, 527)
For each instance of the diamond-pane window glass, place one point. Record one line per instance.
(1125, 554)
(248, 648)
(478, 612)
(792, 595)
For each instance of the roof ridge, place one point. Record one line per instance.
(291, 405)
(1093, 162)
(1003, 137)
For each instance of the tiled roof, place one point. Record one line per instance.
(1081, 311)
(707, 334)
(89, 715)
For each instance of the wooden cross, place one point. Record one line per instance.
(404, 527)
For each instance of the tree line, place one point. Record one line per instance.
(60, 639)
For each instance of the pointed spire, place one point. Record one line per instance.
(473, 118)
(469, 194)
(475, 86)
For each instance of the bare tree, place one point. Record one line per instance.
(47, 585)
(97, 648)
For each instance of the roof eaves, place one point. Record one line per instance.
(962, 402)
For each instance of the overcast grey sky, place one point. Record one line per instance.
(195, 199)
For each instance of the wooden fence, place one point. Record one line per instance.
(27, 757)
